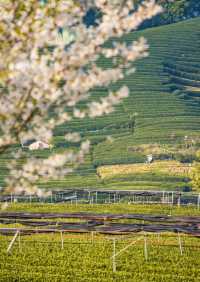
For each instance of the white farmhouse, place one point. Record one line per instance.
(39, 145)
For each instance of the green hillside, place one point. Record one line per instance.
(163, 111)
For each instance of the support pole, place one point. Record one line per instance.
(19, 241)
(180, 244)
(179, 200)
(163, 197)
(12, 242)
(128, 246)
(145, 247)
(121, 251)
(198, 202)
(62, 241)
(114, 254)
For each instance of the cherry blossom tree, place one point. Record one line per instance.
(42, 70)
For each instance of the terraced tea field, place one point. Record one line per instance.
(172, 168)
(163, 109)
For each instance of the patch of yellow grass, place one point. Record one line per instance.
(173, 168)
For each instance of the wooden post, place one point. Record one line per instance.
(12, 242)
(114, 253)
(180, 244)
(145, 247)
(62, 241)
(163, 197)
(19, 241)
(198, 202)
(121, 251)
(172, 198)
(179, 200)
(96, 197)
(168, 198)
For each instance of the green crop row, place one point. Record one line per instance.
(86, 258)
(91, 261)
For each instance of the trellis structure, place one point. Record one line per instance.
(104, 196)
(130, 241)
(105, 224)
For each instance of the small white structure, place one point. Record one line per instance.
(149, 159)
(39, 145)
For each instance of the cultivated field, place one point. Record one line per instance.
(172, 168)
(162, 112)
(84, 257)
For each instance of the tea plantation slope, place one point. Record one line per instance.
(165, 114)
(164, 94)
(165, 91)
(163, 107)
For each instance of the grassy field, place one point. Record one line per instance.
(171, 168)
(104, 208)
(163, 109)
(41, 259)
(86, 258)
